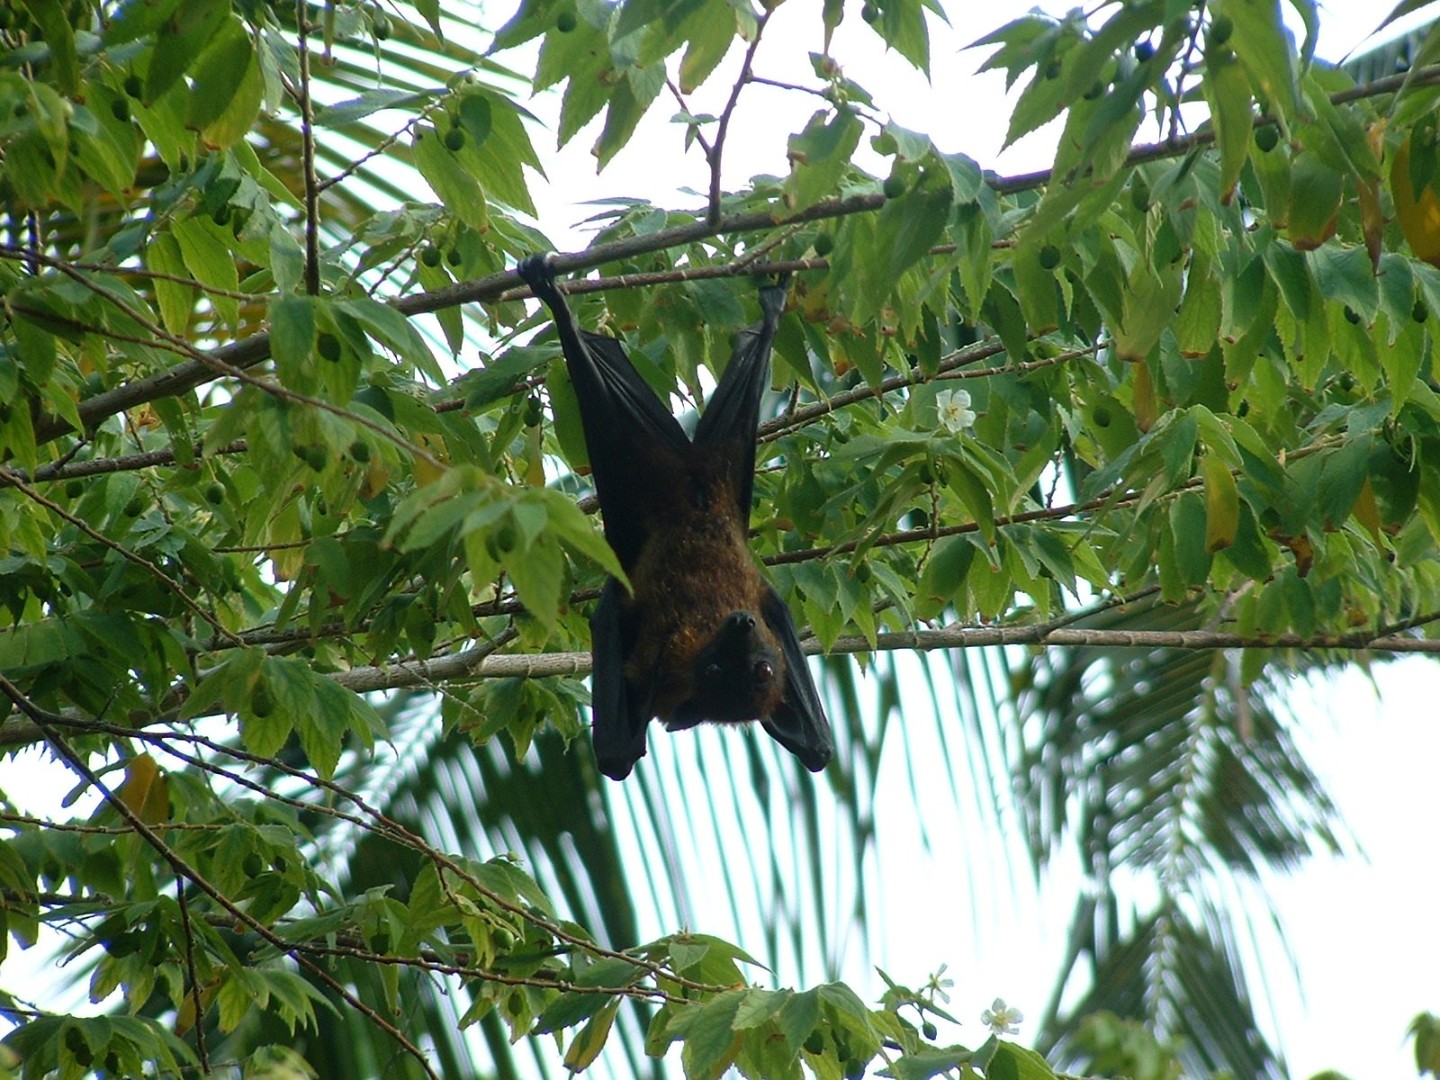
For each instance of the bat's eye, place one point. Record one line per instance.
(764, 672)
(712, 669)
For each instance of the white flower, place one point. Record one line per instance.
(954, 409)
(1001, 1018)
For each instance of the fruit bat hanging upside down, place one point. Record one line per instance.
(702, 637)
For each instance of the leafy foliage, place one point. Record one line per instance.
(243, 492)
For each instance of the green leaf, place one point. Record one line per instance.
(1227, 90)
(370, 102)
(219, 74)
(181, 39)
(1342, 474)
(711, 31)
(457, 189)
(711, 1041)
(1266, 49)
(590, 1040)
(394, 331)
(629, 102)
(211, 263)
(292, 334)
(906, 228)
(819, 157)
(59, 38)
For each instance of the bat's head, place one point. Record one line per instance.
(740, 674)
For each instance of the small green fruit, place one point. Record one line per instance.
(134, 86)
(328, 346)
(815, 1043)
(894, 186)
(215, 494)
(824, 244)
(1220, 30)
(360, 451)
(1267, 138)
(454, 139)
(566, 22)
(74, 489)
(1049, 256)
(316, 457)
(929, 1030)
(870, 13)
(1420, 312)
(120, 109)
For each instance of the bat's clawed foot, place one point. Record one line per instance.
(773, 292)
(538, 271)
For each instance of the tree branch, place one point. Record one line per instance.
(256, 348)
(186, 872)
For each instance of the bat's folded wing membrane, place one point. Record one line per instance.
(799, 723)
(620, 710)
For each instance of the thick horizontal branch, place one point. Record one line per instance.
(479, 662)
(190, 374)
(542, 665)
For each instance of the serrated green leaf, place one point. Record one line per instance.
(1227, 90)
(819, 157)
(1266, 49)
(292, 334)
(181, 39)
(211, 262)
(218, 73)
(456, 188)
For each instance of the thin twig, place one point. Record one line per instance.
(193, 976)
(722, 129)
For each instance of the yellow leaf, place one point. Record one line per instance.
(1367, 510)
(1418, 215)
(144, 791)
(591, 1040)
(1143, 399)
(1222, 504)
(427, 472)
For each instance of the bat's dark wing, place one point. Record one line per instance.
(629, 433)
(727, 426)
(799, 723)
(620, 710)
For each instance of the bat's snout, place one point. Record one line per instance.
(740, 621)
